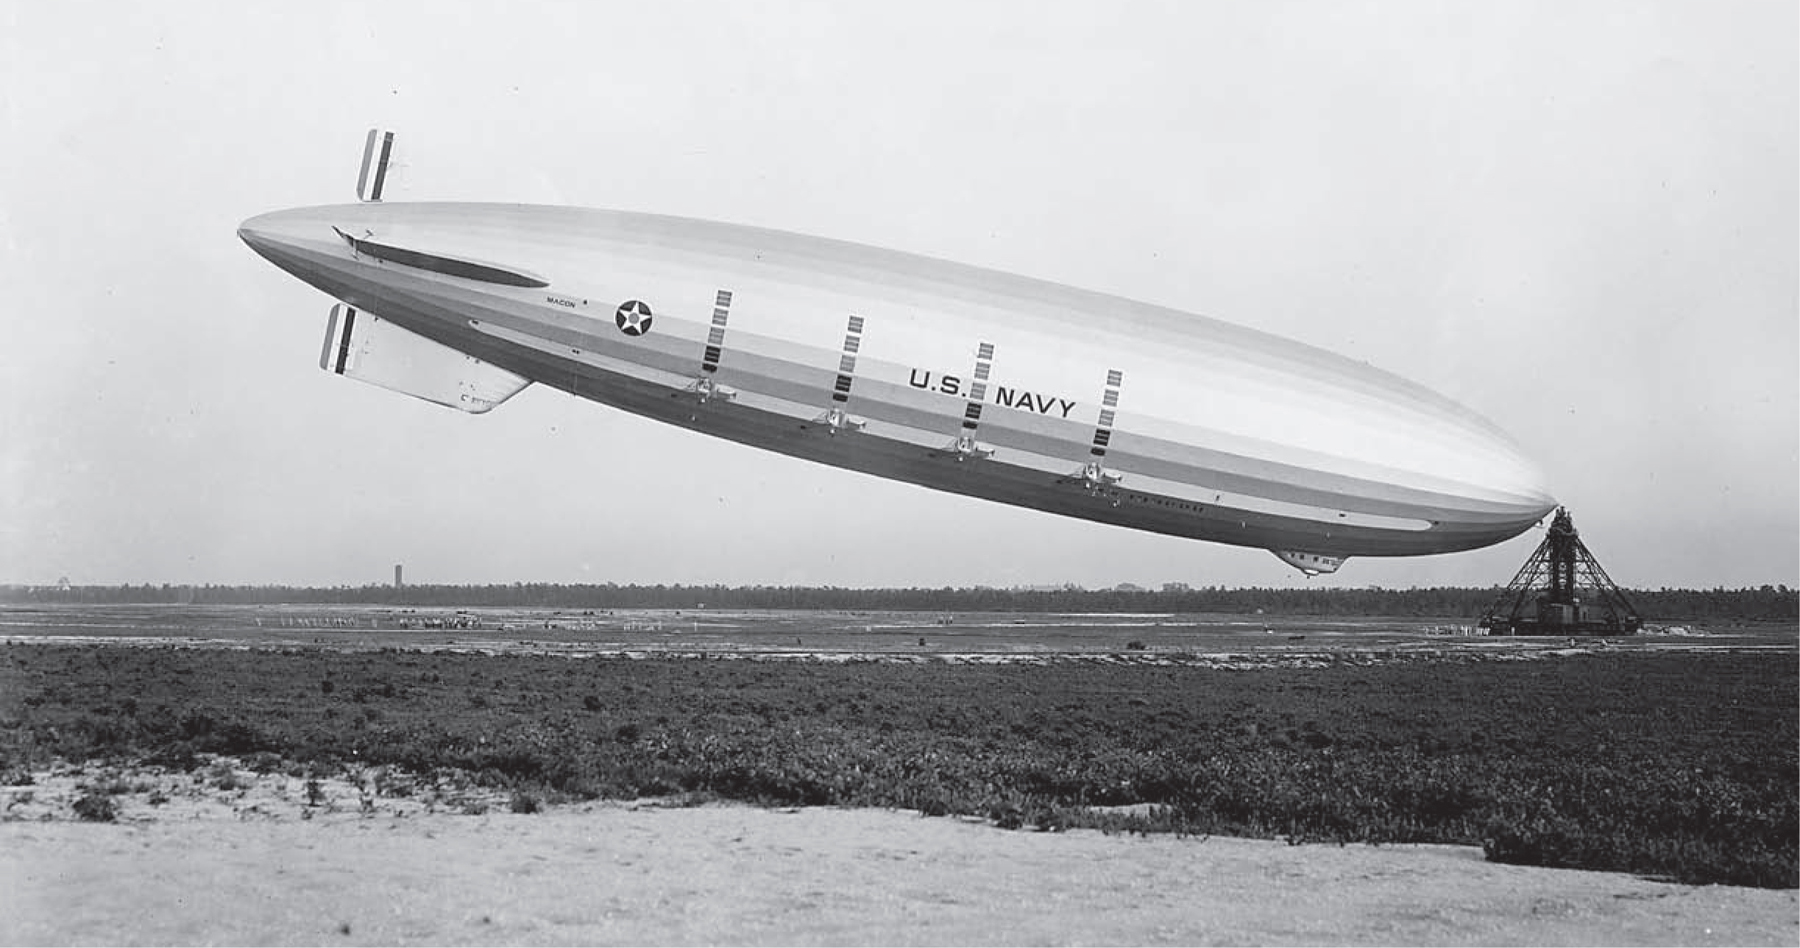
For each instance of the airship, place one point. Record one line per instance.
(922, 370)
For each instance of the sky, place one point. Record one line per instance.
(1580, 220)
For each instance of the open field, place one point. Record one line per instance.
(1165, 638)
(365, 774)
(1669, 756)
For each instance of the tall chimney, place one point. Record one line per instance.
(396, 575)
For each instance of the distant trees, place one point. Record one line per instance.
(1760, 603)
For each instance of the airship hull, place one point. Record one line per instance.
(934, 373)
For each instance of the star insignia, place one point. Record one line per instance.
(633, 317)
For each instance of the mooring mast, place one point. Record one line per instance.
(1561, 573)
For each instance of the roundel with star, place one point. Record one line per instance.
(633, 317)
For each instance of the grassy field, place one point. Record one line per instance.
(1681, 766)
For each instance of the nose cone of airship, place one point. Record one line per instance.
(1507, 493)
(1538, 501)
(1508, 471)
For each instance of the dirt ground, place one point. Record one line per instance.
(190, 863)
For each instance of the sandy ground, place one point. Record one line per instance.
(257, 862)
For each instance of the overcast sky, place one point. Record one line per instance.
(1577, 219)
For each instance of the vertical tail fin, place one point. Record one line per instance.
(377, 149)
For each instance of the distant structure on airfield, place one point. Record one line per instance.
(397, 583)
(62, 584)
(1561, 590)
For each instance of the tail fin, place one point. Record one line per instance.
(365, 347)
(377, 149)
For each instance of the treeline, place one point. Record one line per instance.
(1761, 603)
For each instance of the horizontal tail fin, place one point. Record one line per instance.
(365, 347)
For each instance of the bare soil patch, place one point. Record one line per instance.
(249, 868)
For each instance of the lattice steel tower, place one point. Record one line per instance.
(1561, 590)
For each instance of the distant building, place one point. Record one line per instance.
(1128, 588)
(397, 583)
(62, 584)
(1176, 587)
